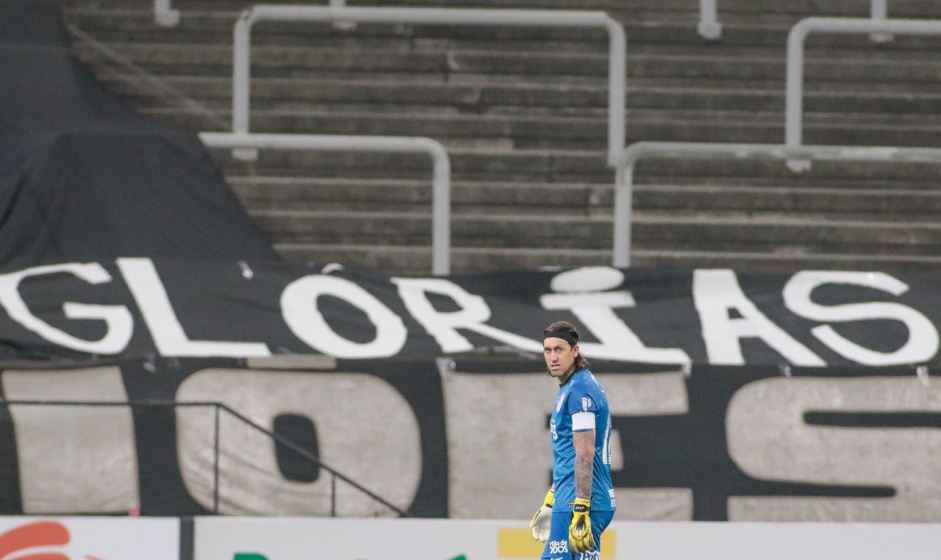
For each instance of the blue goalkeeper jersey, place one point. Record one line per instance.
(581, 405)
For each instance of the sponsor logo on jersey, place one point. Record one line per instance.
(558, 547)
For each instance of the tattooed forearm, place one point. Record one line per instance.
(583, 468)
(584, 457)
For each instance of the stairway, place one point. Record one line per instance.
(523, 114)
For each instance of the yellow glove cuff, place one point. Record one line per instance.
(550, 497)
(581, 504)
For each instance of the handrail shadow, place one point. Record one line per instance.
(221, 407)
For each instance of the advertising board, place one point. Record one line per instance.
(393, 539)
(90, 538)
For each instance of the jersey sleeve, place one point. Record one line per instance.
(582, 406)
(581, 399)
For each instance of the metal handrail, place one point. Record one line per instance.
(695, 150)
(710, 28)
(617, 63)
(795, 59)
(157, 403)
(165, 15)
(441, 180)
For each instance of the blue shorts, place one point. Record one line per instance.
(557, 547)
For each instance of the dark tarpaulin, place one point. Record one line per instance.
(84, 177)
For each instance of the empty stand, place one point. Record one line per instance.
(522, 113)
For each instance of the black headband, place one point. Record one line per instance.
(567, 336)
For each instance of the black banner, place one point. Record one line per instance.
(239, 309)
(806, 396)
(83, 176)
(465, 437)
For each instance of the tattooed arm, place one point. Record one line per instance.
(584, 461)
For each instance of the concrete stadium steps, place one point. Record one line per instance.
(871, 204)
(736, 14)
(417, 260)
(483, 95)
(585, 199)
(789, 247)
(550, 166)
(543, 132)
(882, 109)
(374, 195)
(771, 262)
(864, 63)
(735, 226)
(775, 232)
(573, 166)
(697, 230)
(790, 7)
(523, 115)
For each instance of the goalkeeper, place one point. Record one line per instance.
(580, 504)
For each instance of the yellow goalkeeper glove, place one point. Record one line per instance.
(580, 537)
(543, 519)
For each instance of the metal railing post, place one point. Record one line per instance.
(795, 62)
(440, 209)
(164, 15)
(617, 67)
(241, 71)
(336, 12)
(879, 11)
(441, 177)
(794, 91)
(617, 88)
(623, 202)
(709, 26)
(704, 150)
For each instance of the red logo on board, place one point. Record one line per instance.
(36, 535)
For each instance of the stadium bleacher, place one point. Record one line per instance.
(797, 396)
(523, 115)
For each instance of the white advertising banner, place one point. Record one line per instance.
(451, 539)
(218, 538)
(90, 538)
